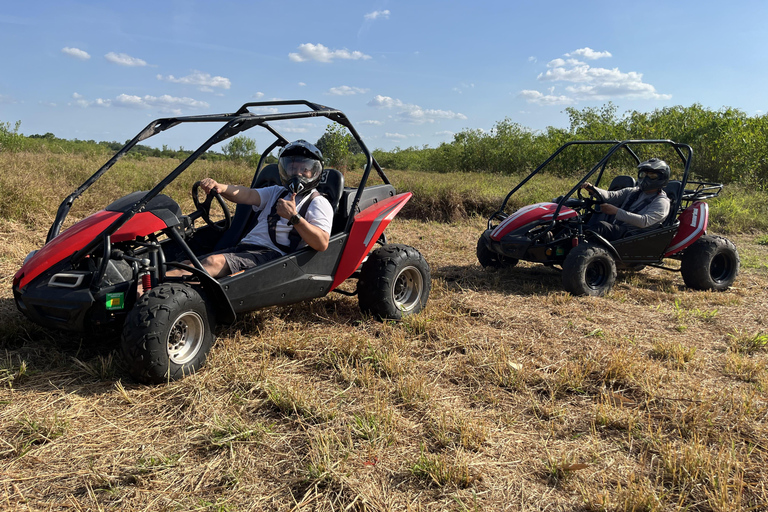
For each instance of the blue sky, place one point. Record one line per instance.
(407, 73)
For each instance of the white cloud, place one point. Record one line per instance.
(373, 122)
(586, 83)
(203, 80)
(124, 59)
(545, 99)
(377, 14)
(445, 133)
(345, 90)
(302, 84)
(463, 87)
(165, 103)
(395, 136)
(410, 113)
(258, 95)
(264, 110)
(385, 102)
(77, 53)
(322, 53)
(589, 54)
(294, 129)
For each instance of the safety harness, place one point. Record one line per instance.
(294, 238)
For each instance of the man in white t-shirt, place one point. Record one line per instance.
(290, 216)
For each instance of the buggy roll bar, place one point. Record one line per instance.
(235, 123)
(679, 148)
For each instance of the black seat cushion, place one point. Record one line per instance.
(620, 182)
(331, 186)
(674, 190)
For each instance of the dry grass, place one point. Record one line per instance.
(505, 394)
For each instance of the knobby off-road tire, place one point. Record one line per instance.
(489, 259)
(167, 334)
(394, 282)
(589, 270)
(710, 263)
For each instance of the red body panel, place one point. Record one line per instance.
(368, 225)
(74, 238)
(528, 214)
(693, 224)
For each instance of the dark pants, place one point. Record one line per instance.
(610, 231)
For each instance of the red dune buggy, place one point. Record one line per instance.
(560, 232)
(86, 277)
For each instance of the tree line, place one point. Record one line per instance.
(728, 145)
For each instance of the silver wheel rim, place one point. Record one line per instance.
(185, 338)
(406, 292)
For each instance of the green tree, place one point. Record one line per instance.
(10, 138)
(335, 145)
(241, 148)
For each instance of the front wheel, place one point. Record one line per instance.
(589, 270)
(489, 259)
(711, 263)
(394, 282)
(167, 334)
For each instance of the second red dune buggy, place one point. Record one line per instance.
(560, 232)
(110, 269)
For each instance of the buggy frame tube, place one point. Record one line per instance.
(625, 144)
(235, 123)
(230, 129)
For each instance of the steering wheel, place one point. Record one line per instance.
(589, 201)
(203, 209)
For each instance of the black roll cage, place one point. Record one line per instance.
(684, 151)
(234, 123)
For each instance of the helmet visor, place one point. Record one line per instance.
(652, 175)
(296, 165)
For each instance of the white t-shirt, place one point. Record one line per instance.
(319, 214)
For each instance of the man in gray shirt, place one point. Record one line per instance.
(644, 206)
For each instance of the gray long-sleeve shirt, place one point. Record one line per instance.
(645, 211)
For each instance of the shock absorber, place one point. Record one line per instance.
(146, 281)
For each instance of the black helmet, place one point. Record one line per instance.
(652, 174)
(300, 165)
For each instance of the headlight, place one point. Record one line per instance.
(67, 279)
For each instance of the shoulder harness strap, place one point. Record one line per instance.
(294, 238)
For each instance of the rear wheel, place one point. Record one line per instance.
(489, 259)
(589, 270)
(394, 282)
(167, 334)
(711, 263)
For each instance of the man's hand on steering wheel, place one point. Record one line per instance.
(213, 191)
(209, 184)
(591, 200)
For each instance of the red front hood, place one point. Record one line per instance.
(77, 236)
(528, 214)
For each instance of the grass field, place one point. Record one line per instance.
(504, 394)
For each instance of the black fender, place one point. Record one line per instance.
(603, 242)
(225, 314)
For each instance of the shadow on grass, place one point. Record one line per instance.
(518, 280)
(36, 357)
(536, 279)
